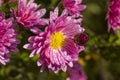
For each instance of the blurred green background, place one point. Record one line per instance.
(100, 59)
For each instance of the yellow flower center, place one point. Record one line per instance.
(57, 40)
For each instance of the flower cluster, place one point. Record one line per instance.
(113, 15)
(8, 41)
(58, 44)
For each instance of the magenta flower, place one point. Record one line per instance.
(8, 41)
(73, 6)
(28, 14)
(56, 45)
(76, 72)
(113, 15)
(81, 38)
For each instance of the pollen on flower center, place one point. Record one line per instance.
(57, 40)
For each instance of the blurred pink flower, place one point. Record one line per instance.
(56, 45)
(8, 41)
(73, 6)
(76, 72)
(28, 14)
(1, 1)
(113, 15)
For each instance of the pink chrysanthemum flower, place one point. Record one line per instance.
(73, 6)
(113, 15)
(8, 41)
(28, 14)
(76, 72)
(56, 44)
